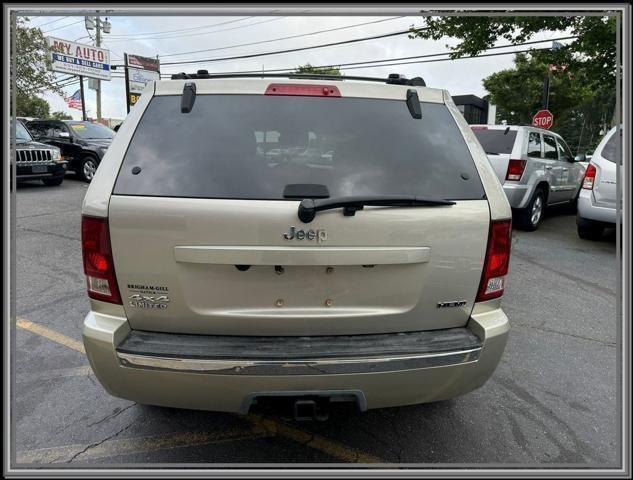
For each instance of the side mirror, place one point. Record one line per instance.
(581, 157)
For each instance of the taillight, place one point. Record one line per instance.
(497, 260)
(98, 264)
(478, 127)
(515, 169)
(590, 177)
(310, 90)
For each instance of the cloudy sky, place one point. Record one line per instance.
(180, 38)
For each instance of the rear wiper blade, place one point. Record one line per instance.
(309, 207)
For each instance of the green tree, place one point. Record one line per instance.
(32, 76)
(307, 68)
(31, 106)
(518, 92)
(61, 116)
(580, 109)
(593, 49)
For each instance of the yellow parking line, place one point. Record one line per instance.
(39, 376)
(272, 427)
(330, 447)
(128, 446)
(57, 337)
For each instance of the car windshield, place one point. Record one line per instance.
(253, 146)
(496, 142)
(89, 130)
(22, 134)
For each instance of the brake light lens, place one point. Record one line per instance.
(97, 257)
(515, 169)
(497, 261)
(478, 127)
(310, 90)
(590, 177)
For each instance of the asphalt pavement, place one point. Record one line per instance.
(551, 402)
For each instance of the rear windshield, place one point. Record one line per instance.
(253, 146)
(496, 141)
(610, 149)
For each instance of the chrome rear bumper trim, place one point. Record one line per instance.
(327, 366)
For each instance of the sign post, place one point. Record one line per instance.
(83, 100)
(127, 84)
(543, 119)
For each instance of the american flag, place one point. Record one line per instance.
(74, 101)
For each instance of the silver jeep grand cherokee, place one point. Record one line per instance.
(315, 239)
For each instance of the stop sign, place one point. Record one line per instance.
(543, 119)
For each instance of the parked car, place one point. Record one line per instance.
(220, 277)
(37, 161)
(598, 199)
(83, 144)
(535, 166)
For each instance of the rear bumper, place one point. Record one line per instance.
(228, 384)
(590, 211)
(518, 195)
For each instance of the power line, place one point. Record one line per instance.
(180, 30)
(103, 44)
(449, 59)
(349, 64)
(199, 33)
(48, 23)
(64, 26)
(280, 38)
(253, 55)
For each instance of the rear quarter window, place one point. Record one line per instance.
(252, 146)
(610, 149)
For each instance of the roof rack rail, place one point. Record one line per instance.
(392, 79)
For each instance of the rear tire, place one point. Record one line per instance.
(53, 182)
(88, 168)
(588, 230)
(529, 218)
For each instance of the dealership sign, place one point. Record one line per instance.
(147, 63)
(78, 59)
(139, 71)
(137, 79)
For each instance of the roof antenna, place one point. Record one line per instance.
(188, 97)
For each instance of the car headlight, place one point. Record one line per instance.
(57, 155)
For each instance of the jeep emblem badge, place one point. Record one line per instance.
(318, 235)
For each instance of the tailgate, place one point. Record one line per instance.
(382, 270)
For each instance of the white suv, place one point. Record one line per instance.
(597, 202)
(320, 239)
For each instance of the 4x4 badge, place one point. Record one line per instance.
(318, 235)
(149, 301)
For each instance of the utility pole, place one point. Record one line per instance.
(98, 44)
(95, 23)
